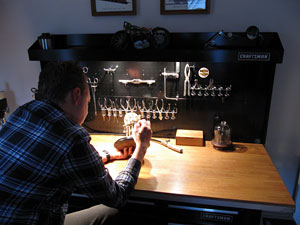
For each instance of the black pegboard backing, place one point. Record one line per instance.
(109, 84)
(245, 109)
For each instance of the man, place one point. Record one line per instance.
(45, 154)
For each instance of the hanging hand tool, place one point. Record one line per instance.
(172, 75)
(162, 110)
(137, 81)
(167, 111)
(103, 107)
(111, 70)
(93, 83)
(187, 84)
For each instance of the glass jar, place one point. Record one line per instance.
(222, 135)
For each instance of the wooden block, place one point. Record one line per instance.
(189, 137)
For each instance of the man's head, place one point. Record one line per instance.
(58, 78)
(65, 84)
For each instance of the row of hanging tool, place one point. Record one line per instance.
(147, 108)
(200, 89)
(205, 88)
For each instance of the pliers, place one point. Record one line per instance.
(187, 84)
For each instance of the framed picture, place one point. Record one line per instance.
(113, 7)
(184, 6)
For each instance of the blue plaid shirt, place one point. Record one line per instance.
(44, 156)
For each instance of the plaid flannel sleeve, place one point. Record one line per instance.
(83, 165)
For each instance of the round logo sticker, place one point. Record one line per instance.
(203, 72)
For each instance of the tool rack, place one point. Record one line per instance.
(238, 88)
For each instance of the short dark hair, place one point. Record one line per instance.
(58, 78)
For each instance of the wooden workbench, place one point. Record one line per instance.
(242, 178)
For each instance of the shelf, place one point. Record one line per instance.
(183, 47)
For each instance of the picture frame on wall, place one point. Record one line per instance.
(113, 7)
(184, 6)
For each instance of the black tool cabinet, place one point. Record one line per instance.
(246, 66)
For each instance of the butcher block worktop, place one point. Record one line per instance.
(244, 177)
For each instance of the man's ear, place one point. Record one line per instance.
(76, 95)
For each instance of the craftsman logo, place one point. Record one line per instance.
(216, 217)
(254, 56)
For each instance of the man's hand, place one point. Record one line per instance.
(111, 153)
(126, 153)
(142, 135)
